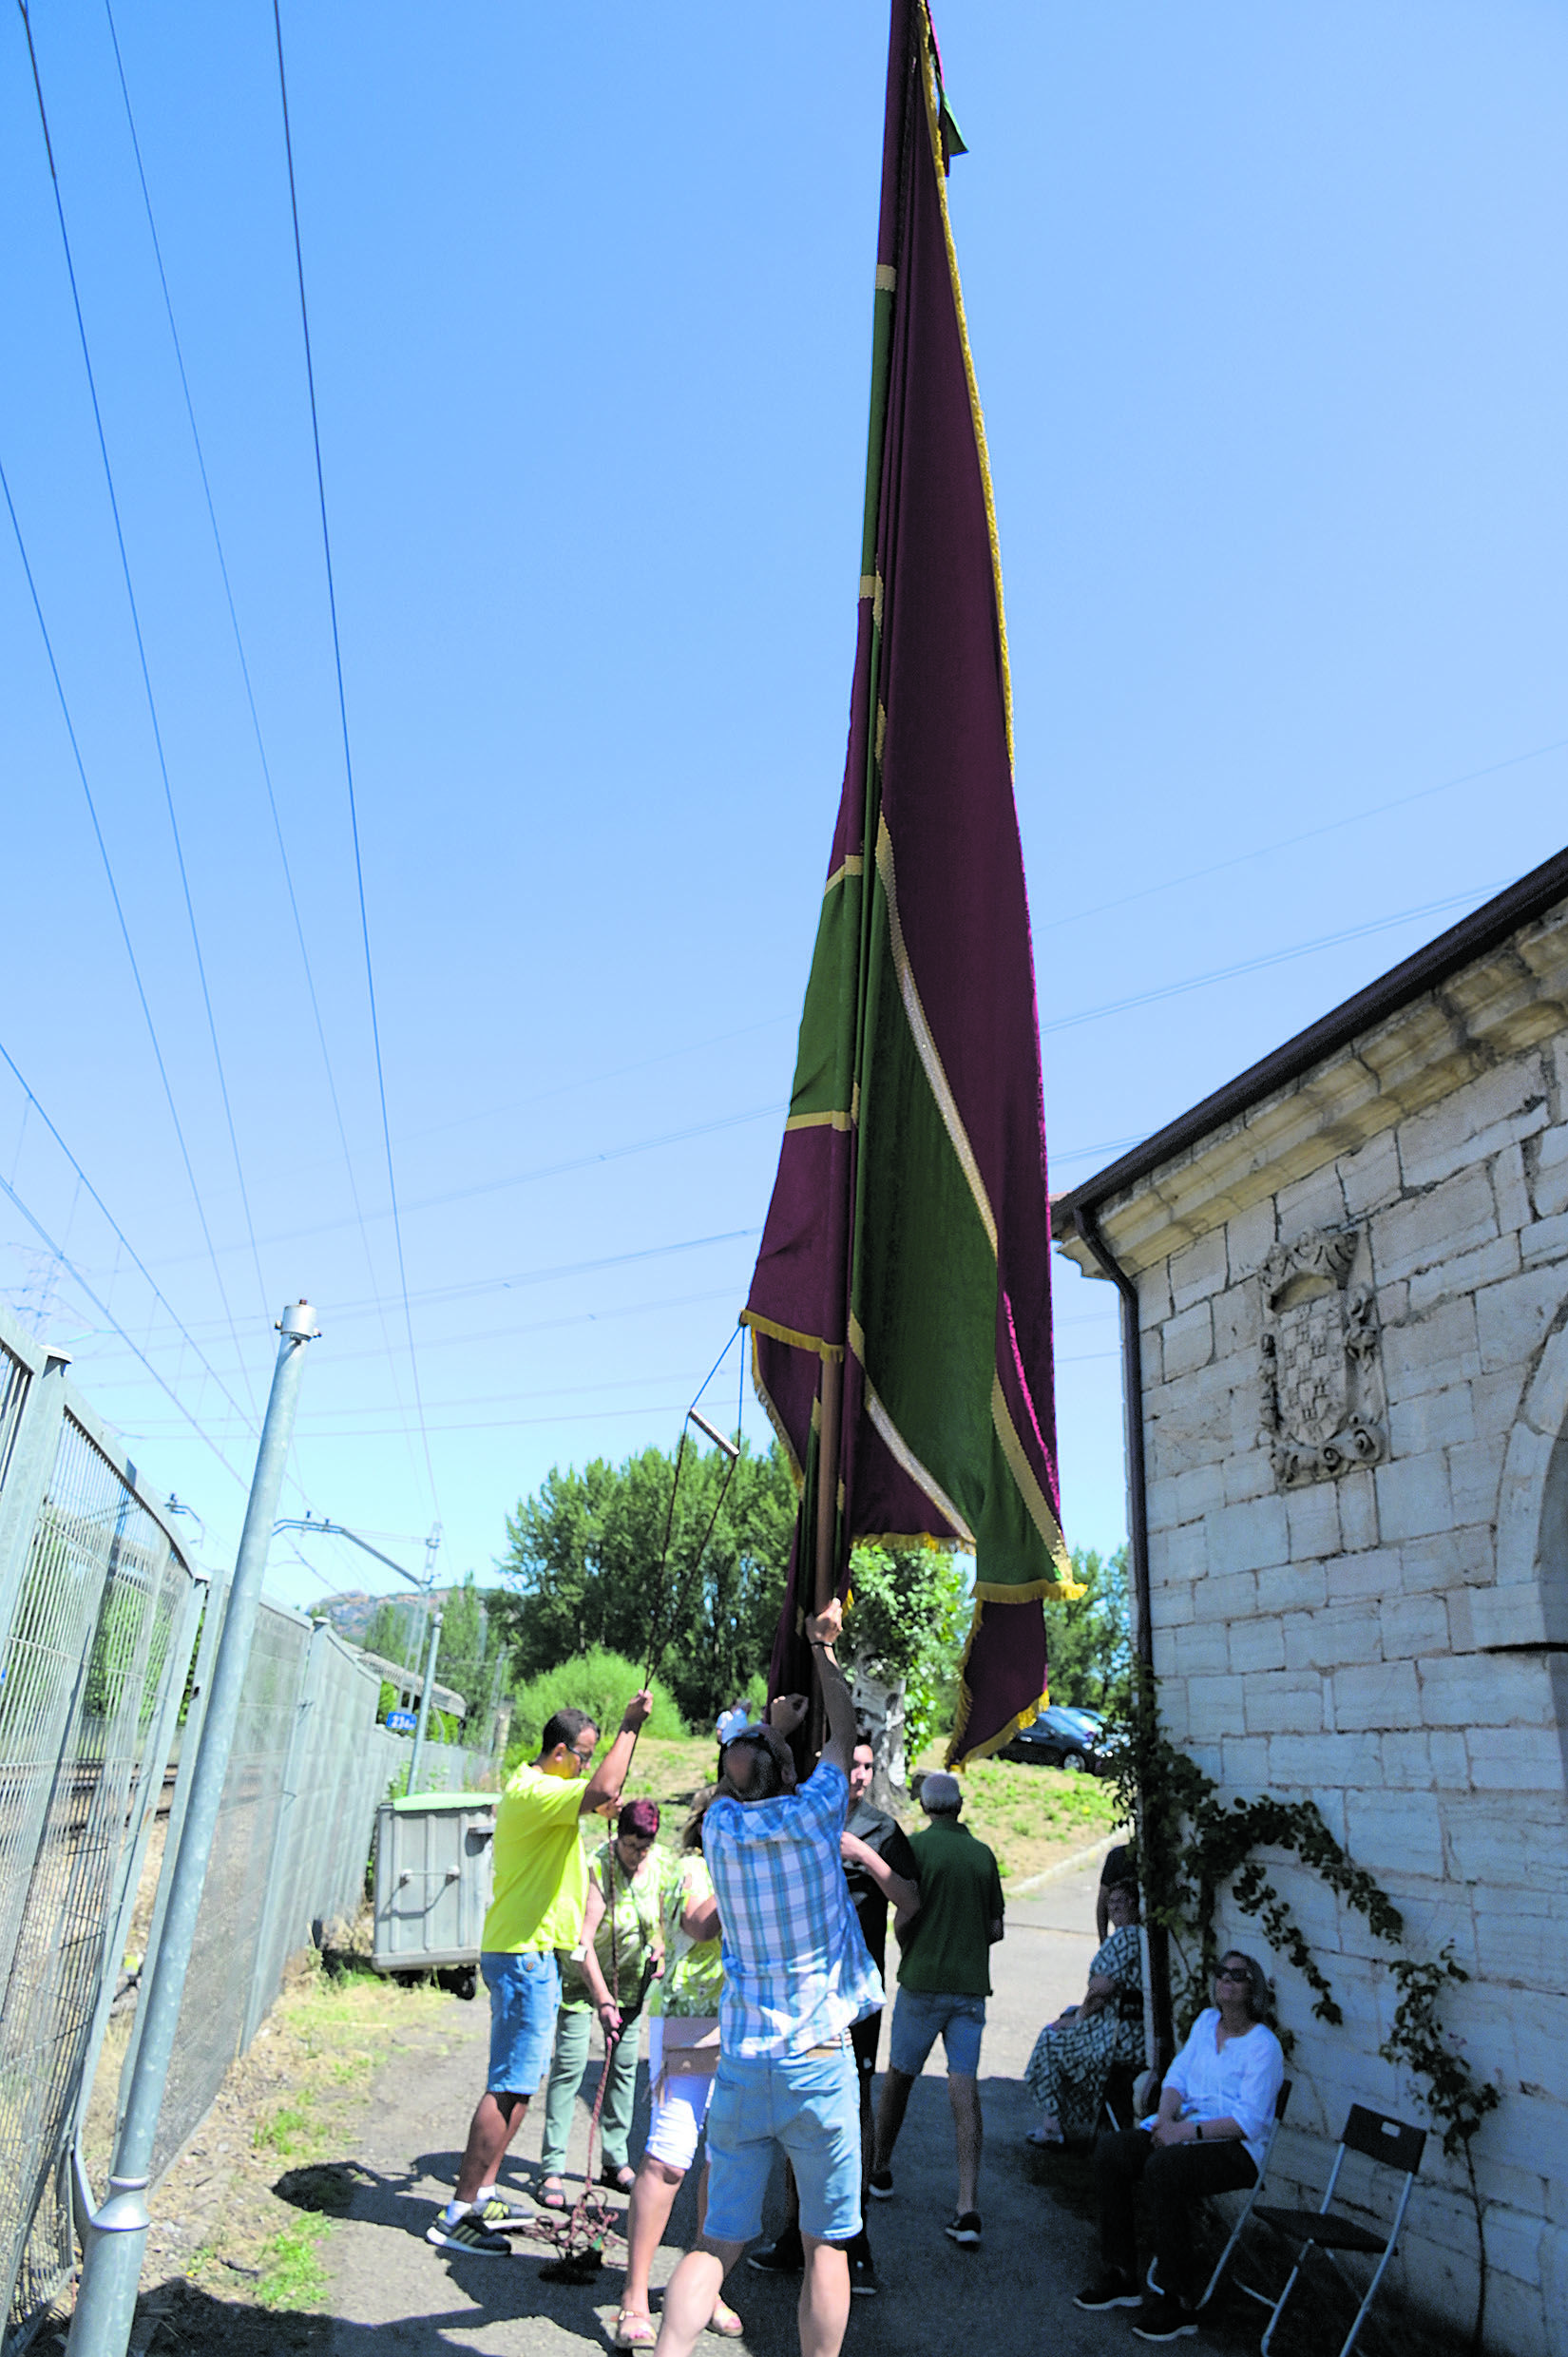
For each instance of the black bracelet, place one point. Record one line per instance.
(1198, 2132)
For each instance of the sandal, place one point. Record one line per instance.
(725, 2323)
(619, 2178)
(552, 2194)
(633, 2329)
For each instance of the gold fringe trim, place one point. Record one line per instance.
(796, 1470)
(933, 125)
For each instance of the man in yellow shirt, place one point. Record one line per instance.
(540, 1891)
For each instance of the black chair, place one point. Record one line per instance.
(1245, 2211)
(1388, 2144)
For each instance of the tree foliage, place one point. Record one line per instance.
(599, 1682)
(1088, 1640)
(908, 1616)
(583, 1568)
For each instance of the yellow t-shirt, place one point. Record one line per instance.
(541, 1874)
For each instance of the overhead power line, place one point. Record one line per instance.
(245, 677)
(151, 699)
(348, 759)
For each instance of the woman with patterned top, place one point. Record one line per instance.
(1074, 2056)
(682, 2052)
(622, 1941)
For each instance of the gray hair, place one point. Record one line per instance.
(940, 1795)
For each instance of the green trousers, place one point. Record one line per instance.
(573, 2024)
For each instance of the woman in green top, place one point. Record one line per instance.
(622, 1941)
(680, 2065)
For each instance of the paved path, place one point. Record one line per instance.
(393, 2292)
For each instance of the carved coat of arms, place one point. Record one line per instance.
(1322, 1403)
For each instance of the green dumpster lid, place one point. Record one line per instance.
(447, 1800)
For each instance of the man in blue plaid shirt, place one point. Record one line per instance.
(796, 1973)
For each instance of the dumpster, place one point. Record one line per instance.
(433, 1880)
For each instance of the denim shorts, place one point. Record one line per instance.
(809, 2103)
(524, 2000)
(920, 2015)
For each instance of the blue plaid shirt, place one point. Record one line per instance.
(796, 1970)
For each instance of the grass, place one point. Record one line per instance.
(292, 2275)
(1030, 1816)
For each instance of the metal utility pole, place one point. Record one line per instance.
(116, 2238)
(424, 1704)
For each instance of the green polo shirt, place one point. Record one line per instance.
(959, 1900)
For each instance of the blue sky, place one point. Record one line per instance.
(1268, 310)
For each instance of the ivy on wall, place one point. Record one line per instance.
(1191, 1844)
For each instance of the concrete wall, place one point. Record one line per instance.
(1393, 1641)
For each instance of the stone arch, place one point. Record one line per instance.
(1529, 1603)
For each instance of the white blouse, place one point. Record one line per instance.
(1239, 2080)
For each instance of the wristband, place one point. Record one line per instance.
(1198, 2132)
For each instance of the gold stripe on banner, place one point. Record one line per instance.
(898, 1447)
(788, 1334)
(887, 277)
(797, 1472)
(852, 864)
(1029, 1490)
(933, 125)
(930, 1055)
(819, 1121)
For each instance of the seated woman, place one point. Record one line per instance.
(1208, 2136)
(1075, 2054)
(682, 2055)
(621, 1940)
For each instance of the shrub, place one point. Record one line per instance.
(598, 1681)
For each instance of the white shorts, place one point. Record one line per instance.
(678, 2112)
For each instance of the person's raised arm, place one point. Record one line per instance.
(900, 1893)
(603, 1787)
(822, 1631)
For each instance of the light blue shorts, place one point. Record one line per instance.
(920, 2015)
(524, 2000)
(809, 2104)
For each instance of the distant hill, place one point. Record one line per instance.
(351, 1612)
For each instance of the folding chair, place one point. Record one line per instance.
(1281, 2100)
(1388, 2144)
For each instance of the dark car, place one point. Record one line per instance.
(1059, 1738)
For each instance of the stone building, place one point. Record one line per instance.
(1349, 1365)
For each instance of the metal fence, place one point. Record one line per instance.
(101, 1615)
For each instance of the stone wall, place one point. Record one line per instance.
(1355, 1332)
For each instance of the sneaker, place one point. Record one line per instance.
(880, 2185)
(468, 2233)
(783, 2257)
(863, 2282)
(964, 2228)
(494, 2211)
(1164, 2319)
(1112, 2290)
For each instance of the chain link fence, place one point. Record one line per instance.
(108, 1637)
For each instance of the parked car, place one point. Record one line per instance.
(1059, 1738)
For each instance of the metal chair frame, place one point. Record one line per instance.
(1388, 2144)
(1281, 2100)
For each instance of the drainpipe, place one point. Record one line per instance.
(1157, 1978)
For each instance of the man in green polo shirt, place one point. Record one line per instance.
(943, 1983)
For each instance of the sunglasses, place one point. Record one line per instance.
(1226, 1973)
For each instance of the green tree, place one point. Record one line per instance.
(1088, 1641)
(471, 1652)
(908, 1616)
(395, 1628)
(583, 1568)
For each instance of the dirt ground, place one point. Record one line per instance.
(295, 2222)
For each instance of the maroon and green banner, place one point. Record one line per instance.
(901, 1306)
